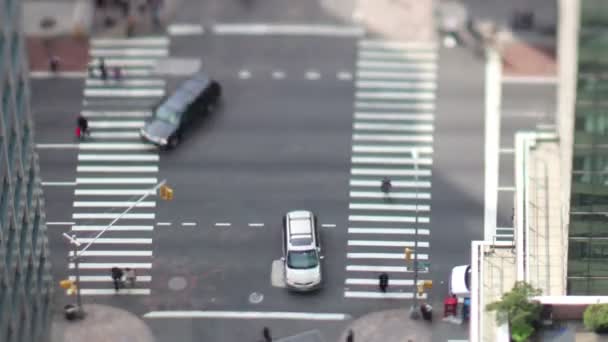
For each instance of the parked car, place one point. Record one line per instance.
(301, 251)
(460, 281)
(173, 116)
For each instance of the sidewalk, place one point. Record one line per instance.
(102, 323)
(391, 326)
(400, 20)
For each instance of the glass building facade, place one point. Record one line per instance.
(25, 279)
(588, 231)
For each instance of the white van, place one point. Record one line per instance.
(460, 281)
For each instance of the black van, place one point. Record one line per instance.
(195, 97)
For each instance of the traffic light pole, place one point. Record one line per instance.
(414, 314)
(74, 241)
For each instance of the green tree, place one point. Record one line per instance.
(596, 317)
(516, 308)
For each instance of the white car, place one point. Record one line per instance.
(460, 281)
(301, 251)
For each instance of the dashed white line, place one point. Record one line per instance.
(328, 225)
(278, 75)
(313, 75)
(163, 223)
(255, 224)
(188, 224)
(185, 29)
(344, 76)
(223, 224)
(244, 74)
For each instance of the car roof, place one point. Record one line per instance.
(187, 92)
(300, 230)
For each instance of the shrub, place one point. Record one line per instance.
(596, 317)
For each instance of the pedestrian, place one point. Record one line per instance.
(116, 277)
(117, 73)
(383, 281)
(266, 334)
(131, 276)
(54, 63)
(82, 128)
(130, 28)
(155, 6)
(386, 185)
(103, 70)
(351, 336)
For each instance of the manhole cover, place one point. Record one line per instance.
(256, 298)
(177, 283)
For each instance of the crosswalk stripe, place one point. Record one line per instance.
(127, 62)
(397, 207)
(395, 195)
(101, 92)
(371, 268)
(140, 279)
(395, 184)
(117, 169)
(388, 256)
(108, 180)
(114, 253)
(409, 65)
(405, 46)
(185, 29)
(131, 42)
(136, 241)
(92, 228)
(126, 82)
(108, 292)
(116, 114)
(396, 85)
(393, 138)
(378, 218)
(391, 149)
(391, 160)
(394, 116)
(376, 294)
(392, 127)
(287, 29)
(378, 243)
(149, 216)
(400, 106)
(118, 135)
(389, 172)
(118, 157)
(113, 204)
(385, 95)
(129, 52)
(395, 75)
(117, 146)
(116, 124)
(109, 265)
(397, 55)
(371, 281)
(112, 192)
(405, 231)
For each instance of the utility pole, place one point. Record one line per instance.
(75, 258)
(414, 314)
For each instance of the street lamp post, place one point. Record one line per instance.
(414, 314)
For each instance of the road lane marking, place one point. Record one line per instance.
(249, 315)
(367, 281)
(392, 127)
(116, 114)
(376, 294)
(394, 116)
(379, 243)
(133, 216)
(67, 223)
(99, 92)
(129, 52)
(113, 204)
(122, 42)
(163, 223)
(112, 192)
(138, 241)
(278, 75)
(122, 83)
(58, 183)
(115, 135)
(113, 253)
(386, 95)
(391, 160)
(396, 184)
(223, 224)
(371, 268)
(425, 138)
(400, 106)
(401, 55)
(109, 265)
(255, 224)
(389, 172)
(244, 74)
(389, 256)
(313, 75)
(285, 29)
(118, 157)
(391, 149)
(60, 74)
(378, 218)
(398, 207)
(328, 225)
(108, 180)
(117, 169)
(127, 62)
(344, 76)
(396, 65)
(505, 188)
(404, 231)
(380, 194)
(108, 292)
(94, 228)
(529, 79)
(116, 124)
(117, 146)
(185, 29)
(396, 85)
(108, 278)
(396, 75)
(188, 224)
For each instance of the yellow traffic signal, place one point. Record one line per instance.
(166, 192)
(408, 254)
(428, 284)
(72, 290)
(66, 284)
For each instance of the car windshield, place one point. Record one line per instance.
(165, 114)
(302, 259)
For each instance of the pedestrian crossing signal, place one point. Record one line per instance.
(166, 192)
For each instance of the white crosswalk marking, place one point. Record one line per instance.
(115, 169)
(392, 137)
